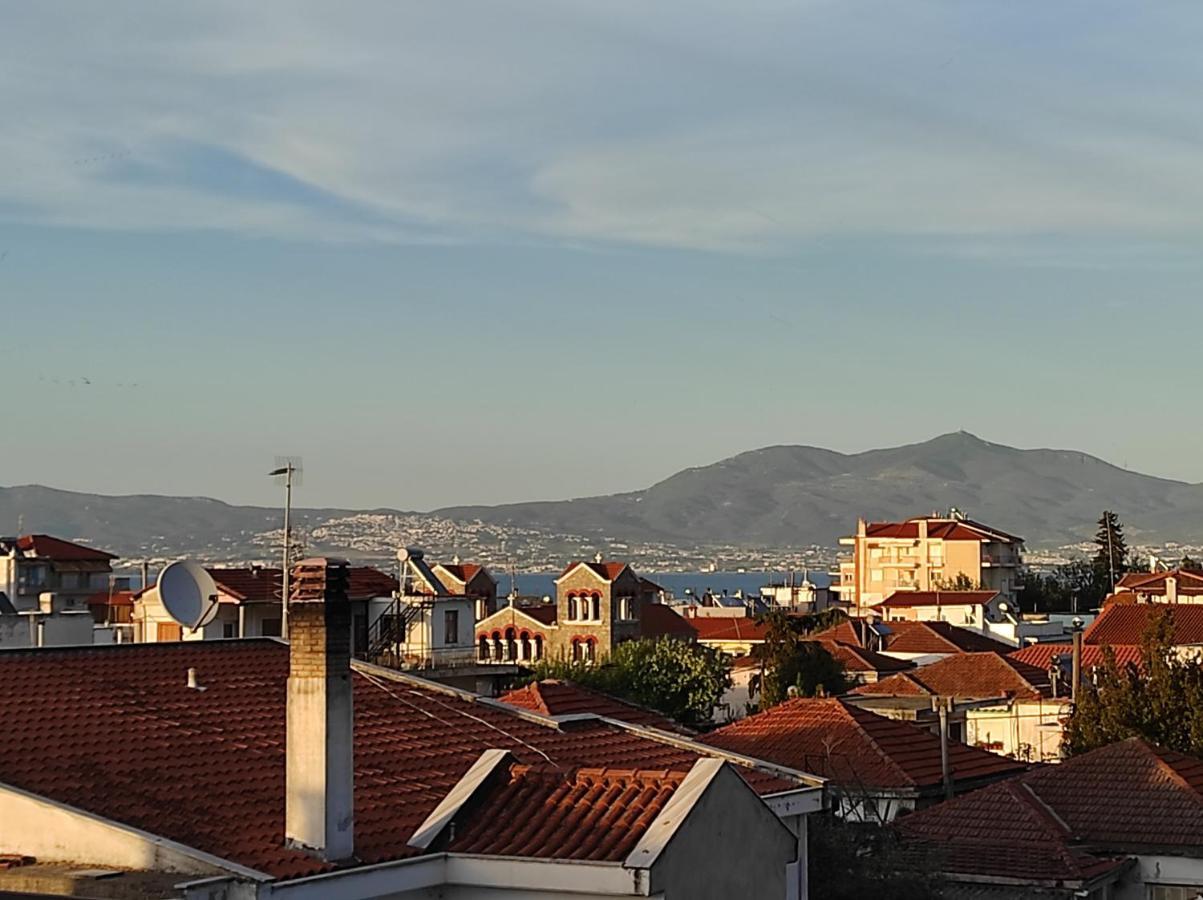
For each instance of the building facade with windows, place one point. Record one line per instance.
(35, 564)
(598, 606)
(928, 553)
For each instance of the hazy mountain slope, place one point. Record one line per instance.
(803, 495)
(776, 496)
(136, 523)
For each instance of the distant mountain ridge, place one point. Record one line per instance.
(798, 495)
(783, 496)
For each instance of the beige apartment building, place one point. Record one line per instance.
(925, 554)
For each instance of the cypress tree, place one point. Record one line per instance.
(1111, 558)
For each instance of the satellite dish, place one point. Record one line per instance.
(188, 593)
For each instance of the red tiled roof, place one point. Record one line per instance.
(967, 676)
(553, 697)
(1001, 831)
(727, 628)
(920, 638)
(907, 599)
(256, 584)
(945, 529)
(115, 731)
(461, 572)
(858, 659)
(1041, 655)
(852, 746)
(583, 814)
(658, 620)
(1123, 624)
(117, 598)
(608, 571)
(48, 547)
(1190, 581)
(1121, 798)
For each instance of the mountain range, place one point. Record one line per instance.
(784, 496)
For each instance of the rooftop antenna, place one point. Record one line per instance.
(287, 471)
(188, 594)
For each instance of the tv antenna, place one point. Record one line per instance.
(188, 593)
(287, 471)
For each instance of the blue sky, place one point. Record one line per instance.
(477, 252)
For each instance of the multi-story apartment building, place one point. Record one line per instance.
(37, 564)
(928, 553)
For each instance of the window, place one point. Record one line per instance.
(626, 608)
(229, 630)
(451, 627)
(484, 648)
(270, 627)
(1174, 892)
(595, 607)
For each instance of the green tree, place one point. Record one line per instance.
(962, 582)
(1056, 589)
(790, 660)
(682, 680)
(1188, 562)
(1111, 558)
(1160, 700)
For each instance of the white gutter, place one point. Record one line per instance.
(464, 870)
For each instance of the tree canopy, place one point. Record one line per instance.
(790, 660)
(1160, 700)
(682, 680)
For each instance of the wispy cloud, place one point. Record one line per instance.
(750, 127)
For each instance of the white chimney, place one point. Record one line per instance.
(319, 776)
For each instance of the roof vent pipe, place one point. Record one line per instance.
(193, 683)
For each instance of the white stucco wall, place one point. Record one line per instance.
(730, 845)
(1026, 730)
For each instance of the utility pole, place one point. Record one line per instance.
(289, 469)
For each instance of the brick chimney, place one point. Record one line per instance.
(319, 777)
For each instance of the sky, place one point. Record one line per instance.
(480, 251)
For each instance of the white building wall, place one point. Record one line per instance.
(1029, 730)
(50, 832)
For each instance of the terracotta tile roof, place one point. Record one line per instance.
(1001, 831)
(258, 584)
(553, 697)
(907, 599)
(52, 548)
(727, 628)
(658, 620)
(852, 746)
(967, 676)
(583, 814)
(608, 571)
(115, 731)
(1125, 624)
(463, 572)
(945, 529)
(1127, 797)
(117, 598)
(920, 638)
(859, 660)
(1190, 581)
(1041, 655)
